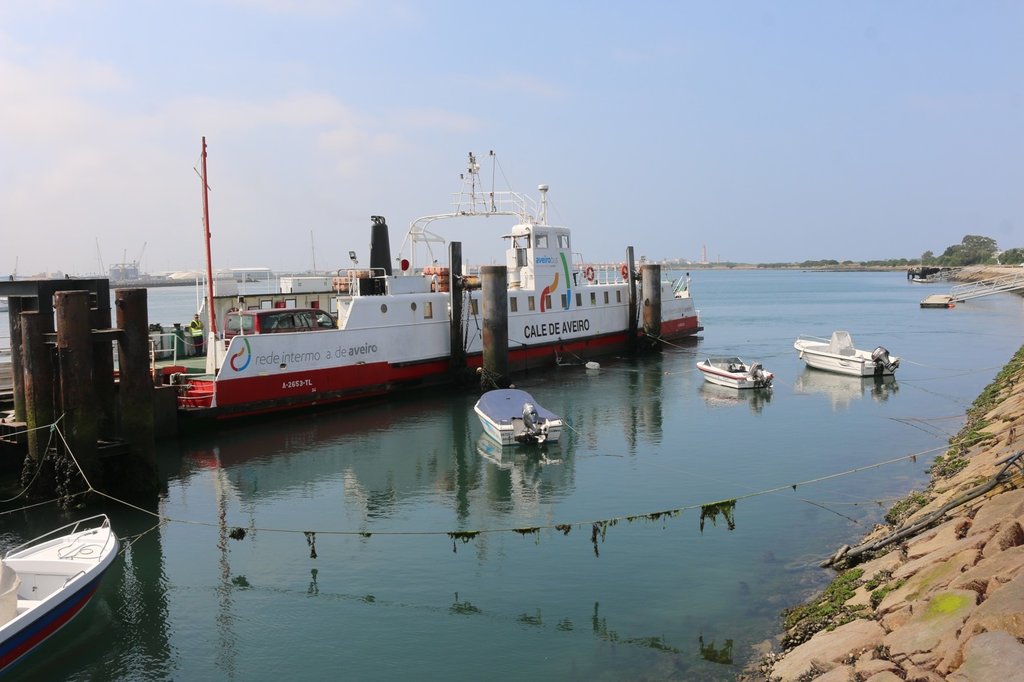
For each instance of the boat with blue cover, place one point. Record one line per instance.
(511, 416)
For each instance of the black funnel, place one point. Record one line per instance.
(380, 246)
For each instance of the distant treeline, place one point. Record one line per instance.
(973, 250)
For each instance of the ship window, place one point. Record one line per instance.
(579, 299)
(531, 304)
(540, 241)
(513, 304)
(593, 297)
(266, 305)
(289, 303)
(413, 305)
(521, 260)
(473, 306)
(563, 241)
(547, 302)
(383, 307)
(428, 310)
(618, 297)
(606, 298)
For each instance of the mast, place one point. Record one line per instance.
(206, 238)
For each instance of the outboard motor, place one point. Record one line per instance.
(880, 356)
(534, 429)
(757, 373)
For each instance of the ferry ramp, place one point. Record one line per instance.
(987, 287)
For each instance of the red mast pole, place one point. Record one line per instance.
(206, 239)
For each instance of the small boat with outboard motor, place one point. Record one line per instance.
(46, 582)
(732, 372)
(839, 355)
(511, 416)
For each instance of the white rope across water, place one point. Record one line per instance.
(597, 525)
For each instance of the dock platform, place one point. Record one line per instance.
(938, 301)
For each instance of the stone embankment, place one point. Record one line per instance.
(975, 273)
(945, 602)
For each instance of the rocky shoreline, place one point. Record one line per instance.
(942, 598)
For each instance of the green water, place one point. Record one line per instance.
(391, 596)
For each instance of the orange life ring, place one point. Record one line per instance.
(589, 273)
(625, 271)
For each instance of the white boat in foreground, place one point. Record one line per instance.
(45, 582)
(734, 373)
(512, 416)
(839, 355)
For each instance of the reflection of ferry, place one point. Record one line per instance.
(364, 459)
(720, 396)
(396, 331)
(842, 390)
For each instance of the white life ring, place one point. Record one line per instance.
(589, 273)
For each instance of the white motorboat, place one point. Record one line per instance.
(512, 416)
(45, 583)
(734, 373)
(839, 355)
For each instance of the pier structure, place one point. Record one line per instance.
(1012, 281)
(63, 373)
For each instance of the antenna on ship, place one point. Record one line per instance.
(543, 217)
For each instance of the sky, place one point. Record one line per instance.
(748, 131)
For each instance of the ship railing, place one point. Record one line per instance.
(604, 273)
(986, 287)
(159, 349)
(348, 283)
(468, 204)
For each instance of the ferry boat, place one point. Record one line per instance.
(395, 331)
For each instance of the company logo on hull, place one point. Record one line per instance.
(240, 360)
(553, 287)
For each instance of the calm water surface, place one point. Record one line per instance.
(390, 596)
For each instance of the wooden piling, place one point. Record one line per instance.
(457, 354)
(494, 301)
(631, 279)
(137, 422)
(75, 368)
(135, 384)
(15, 306)
(37, 380)
(650, 276)
(103, 365)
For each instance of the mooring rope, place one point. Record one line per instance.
(39, 465)
(530, 529)
(598, 526)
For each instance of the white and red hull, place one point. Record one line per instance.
(269, 372)
(394, 331)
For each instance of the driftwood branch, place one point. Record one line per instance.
(847, 555)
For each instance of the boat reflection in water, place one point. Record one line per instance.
(377, 460)
(522, 457)
(720, 396)
(842, 390)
